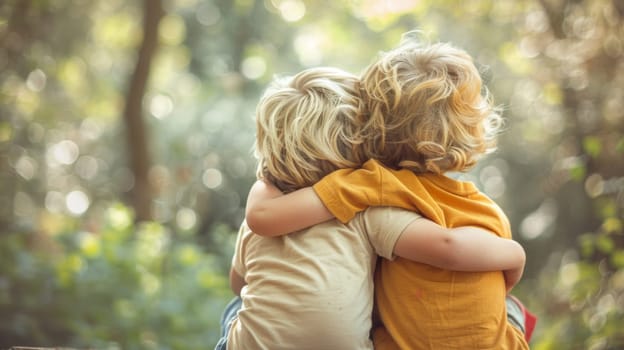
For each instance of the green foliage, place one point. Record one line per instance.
(123, 287)
(620, 146)
(592, 146)
(583, 308)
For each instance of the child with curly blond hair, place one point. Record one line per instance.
(313, 289)
(426, 114)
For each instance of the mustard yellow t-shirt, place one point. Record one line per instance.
(420, 306)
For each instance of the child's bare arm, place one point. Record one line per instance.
(461, 249)
(270, 213)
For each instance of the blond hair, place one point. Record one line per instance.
(428, 109)
(306, 127)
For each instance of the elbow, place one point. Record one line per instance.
(255, 222)
(260, 221)
(450, 257)
(253, 218)
(453, 259)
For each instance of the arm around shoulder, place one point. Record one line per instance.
(460, 249)
(271, 213)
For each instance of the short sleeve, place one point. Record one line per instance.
(384, 226)
(346, 192)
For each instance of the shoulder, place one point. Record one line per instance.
(387, 218)
(384, 226)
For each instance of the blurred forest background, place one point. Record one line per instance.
(126, 130)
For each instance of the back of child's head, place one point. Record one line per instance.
(432, 111)
(306, 127)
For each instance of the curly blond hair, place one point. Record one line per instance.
(427, 109)
(307, 126)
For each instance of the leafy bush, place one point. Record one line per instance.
(580, 293)
(124, 287)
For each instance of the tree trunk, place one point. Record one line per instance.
(136, 130)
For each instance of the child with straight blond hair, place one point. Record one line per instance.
(425, 114)
(313, 289)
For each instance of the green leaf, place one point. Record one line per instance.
(605, 244)
(617, 259)
(586, 242)
(552, 94)
(612, 225)
(6, 131)
(578, 172)
(592, 146)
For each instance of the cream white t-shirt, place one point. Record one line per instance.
(313, 289)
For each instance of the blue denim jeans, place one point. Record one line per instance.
(229, 315)
(515, 315)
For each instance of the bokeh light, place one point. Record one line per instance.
(161, 106)
(36, 80)
(253, 67)
(186, 218)
(309, 47)
(208, 14)
(26, 167)
(292, 10)
(212, 178)
(65, 152)
(77, 202)
(536, 223)
(54, 202)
